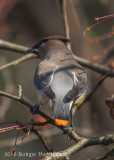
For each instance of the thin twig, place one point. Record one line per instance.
(12, 47)
(21, 100)
(93, 66)
(8, 87)
(84, 143)
(16, 98)
(107, 155)
(108, 56)
(99, 82)
(65, 18)
(18, 61)
(36, 131)
(16, 138)
(97, 85)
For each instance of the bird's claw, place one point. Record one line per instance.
(34, 109)
(70, 128)
(68, 132)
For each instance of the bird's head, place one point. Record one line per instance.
(44, 49)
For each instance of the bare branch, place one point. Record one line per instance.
(9, 87)
(94, 66)
(84, 143)
(18, 48)
(18, 61)
(16, 98)
(107, 155)
(107, 56)
(62, 4)
(99, 82)
(97, 85)
(12, 47)
(10, 141)
(38, 134)
(21, 100)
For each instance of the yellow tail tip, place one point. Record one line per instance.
(60, 122)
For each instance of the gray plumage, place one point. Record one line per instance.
(58, 75)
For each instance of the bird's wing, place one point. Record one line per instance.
(43, 82)
(79, 87)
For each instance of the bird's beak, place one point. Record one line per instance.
(32, 50)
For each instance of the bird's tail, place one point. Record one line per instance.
(62, 112)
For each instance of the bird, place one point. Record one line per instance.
(59, 77)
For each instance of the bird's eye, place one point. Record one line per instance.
(67, 53)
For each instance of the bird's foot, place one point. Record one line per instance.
(68, 131)
(71, 127)
(35, 108)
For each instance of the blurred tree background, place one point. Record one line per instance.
(24, 22)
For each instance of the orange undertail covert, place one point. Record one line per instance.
(60, 122)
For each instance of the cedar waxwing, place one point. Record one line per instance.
(59, 77)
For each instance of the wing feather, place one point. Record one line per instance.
(43, 83)
(78, 88)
